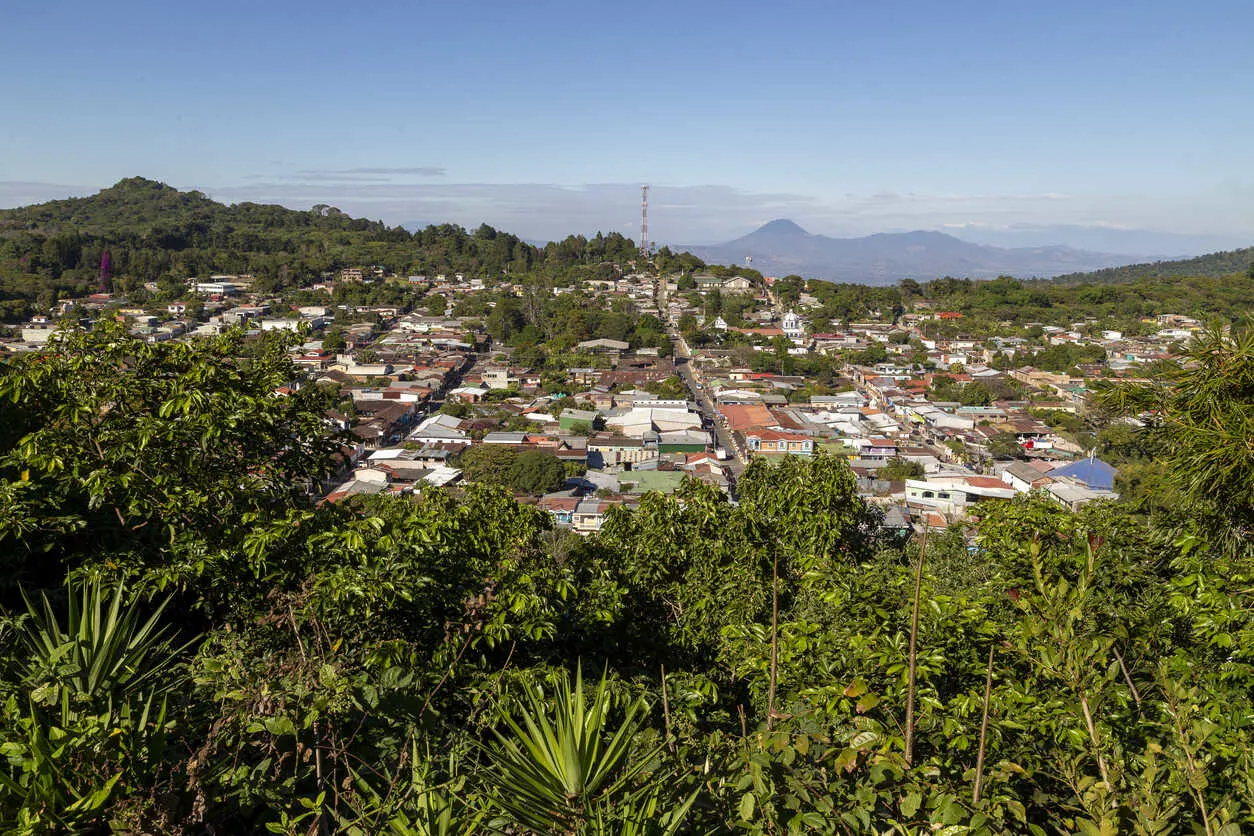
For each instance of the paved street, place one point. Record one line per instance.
(722, 436)
(701, 396)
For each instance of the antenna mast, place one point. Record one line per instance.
(644, 220)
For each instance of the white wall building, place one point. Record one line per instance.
(793, 326)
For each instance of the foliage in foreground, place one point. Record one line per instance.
(415, 666)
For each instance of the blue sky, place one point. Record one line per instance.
(997, 120)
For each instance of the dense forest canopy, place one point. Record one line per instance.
(1050, 301)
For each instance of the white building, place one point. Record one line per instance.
(957, 494)
(216, 288)
(793, 326)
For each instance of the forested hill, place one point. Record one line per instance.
(152, 214)
(154, 232)
(1212, 265)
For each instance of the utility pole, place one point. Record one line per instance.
(644, 220)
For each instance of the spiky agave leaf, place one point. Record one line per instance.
(559, 764)
(106, 651)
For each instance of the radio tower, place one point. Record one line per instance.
(644, 220)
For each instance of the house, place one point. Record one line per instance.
(776, 442)
(570, 418)
(683, 441)
(440, 429)
(647, 400)
(737, 396)
(705, 467)
(955, 495)
(433, 457)
(877, 449)
(281, 324)
(513, 439)
(1025, 477)
(637, 421)
(561, 506)
(603, 346)
(601, 399)
(582, 376)
(840, 399)
(1073, 494)
(607, 450)
(897, 521)
(467, 394)
(589, 515)
(216, 288)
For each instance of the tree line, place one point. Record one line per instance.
(153, 233)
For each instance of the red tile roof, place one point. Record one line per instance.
(746, 416)
(985, 482)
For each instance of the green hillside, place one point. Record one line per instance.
(1212, 265)
(1225, 297)
(155, 233)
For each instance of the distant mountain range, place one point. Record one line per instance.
(1102, 239)
(781, 247)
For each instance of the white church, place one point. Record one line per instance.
(793, 326)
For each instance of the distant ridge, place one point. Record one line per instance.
(1212, 265)
(782, 247)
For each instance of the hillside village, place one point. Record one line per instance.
(936, 422)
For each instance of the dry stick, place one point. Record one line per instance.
(770, 696)
(979, 758)
(1097, 745)
(1136, 695)
(666, 713)
(914, 650)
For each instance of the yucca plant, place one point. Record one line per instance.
(105, 653)
(97, 677)
(558, 767)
